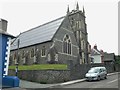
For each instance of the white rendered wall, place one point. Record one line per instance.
(97, 58)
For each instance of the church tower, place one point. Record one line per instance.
(79, 27)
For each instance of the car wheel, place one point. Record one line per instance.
(98, 78)
(105, 76)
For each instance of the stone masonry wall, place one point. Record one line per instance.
(43, 76)
(75, 71)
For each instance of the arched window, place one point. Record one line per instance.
(67, 45)
(23, 54)
(43, 52)
(15, 57)
(32, 53)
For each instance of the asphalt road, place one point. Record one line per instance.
(110, 82)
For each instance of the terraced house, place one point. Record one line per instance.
(63, 39)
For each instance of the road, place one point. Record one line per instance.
(110, 82)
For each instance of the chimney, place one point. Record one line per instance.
(3, 25)
(95, 46)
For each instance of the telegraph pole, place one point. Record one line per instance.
(16, 70)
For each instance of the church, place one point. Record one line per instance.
(57, 41)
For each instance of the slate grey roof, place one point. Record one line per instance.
(5, 33)
(95, 52)
(109, 57)
(38, 34)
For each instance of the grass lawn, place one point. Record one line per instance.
(41, 67)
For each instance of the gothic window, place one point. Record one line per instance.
(56, 57)
(83, 58)
(82, 44)
(67, 45)
(32, 52)
(78, 25)
(10, 60)
(23, 54)
(80, 34)
(77, 34)
(72, 22)
(49, 58)
(43, 53)
(82, 24)
(15, 57)
(24, 61)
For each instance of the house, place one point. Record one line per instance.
(5, 40)
(109, 58)
(57, 41)
(96, 55)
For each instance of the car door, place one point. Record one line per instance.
(101, 74)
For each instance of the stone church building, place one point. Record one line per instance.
(63, 39)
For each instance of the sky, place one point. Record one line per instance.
(101, 18)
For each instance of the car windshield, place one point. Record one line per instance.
(93, 71)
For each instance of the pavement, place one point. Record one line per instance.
(24, 85)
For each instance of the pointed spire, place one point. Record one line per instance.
(83, 10)
(77, 6)
(68, 9)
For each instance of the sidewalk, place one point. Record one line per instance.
(27, 84)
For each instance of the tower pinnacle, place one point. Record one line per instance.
(68, 9)
(77, 6)
(83, 10)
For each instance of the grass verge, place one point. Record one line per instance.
(41, 67)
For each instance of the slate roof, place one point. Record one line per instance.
(5, 33)
(109, 57)
(40, 34)
(95, 52)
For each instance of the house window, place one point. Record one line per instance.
(43, 53)
(67, 45)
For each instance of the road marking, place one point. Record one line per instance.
(113, 81)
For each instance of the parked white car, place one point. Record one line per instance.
(96, 73)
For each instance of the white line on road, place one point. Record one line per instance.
(113, 81)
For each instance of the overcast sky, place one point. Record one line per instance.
(101, 18)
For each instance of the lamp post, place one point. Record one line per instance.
(16, 69)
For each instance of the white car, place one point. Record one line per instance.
(96, 73)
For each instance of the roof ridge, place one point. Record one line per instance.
(43, 24)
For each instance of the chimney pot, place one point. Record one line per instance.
(95, 47)
(3, 25)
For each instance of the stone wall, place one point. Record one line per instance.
(43, 76)
(75, 71)
(78, 71)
